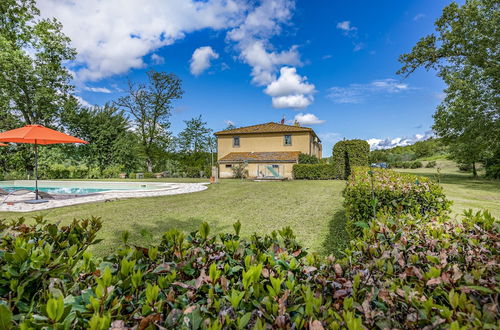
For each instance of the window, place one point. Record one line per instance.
(236, 141)
(229, 165)
(288, 140)
(276, 166)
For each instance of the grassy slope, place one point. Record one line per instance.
(466, 192)
(310, 208)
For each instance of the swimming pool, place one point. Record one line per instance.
(82, 187)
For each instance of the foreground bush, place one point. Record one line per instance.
(370, 191)
(404, 273)
(315, 172)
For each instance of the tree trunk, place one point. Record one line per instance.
(474, 170)
(149, 164)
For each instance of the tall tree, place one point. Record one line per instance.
(464, 51)
(34, 83)
(107, 129)
(196, 137)
(150, 106)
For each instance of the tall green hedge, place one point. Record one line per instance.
(371, 191)
(315, 172)
(349, 153)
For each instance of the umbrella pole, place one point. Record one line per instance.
(36, 171)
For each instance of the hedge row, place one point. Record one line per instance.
(371, 191)
(413, 164)
(348, 154)
(403, 273)
(315, 172)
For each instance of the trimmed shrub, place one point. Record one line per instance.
(308, 159)
(372, 191)
(315, 172)
(404, 273)
(349, 153)
(413, 164)
(431, 164)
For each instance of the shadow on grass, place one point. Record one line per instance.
(337, 239)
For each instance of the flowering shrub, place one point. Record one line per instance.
(371, 191)
(404, 273)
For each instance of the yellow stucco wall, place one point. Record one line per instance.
(268, 142)
(256, 170)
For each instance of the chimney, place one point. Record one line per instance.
(296, 123)
(283, 120)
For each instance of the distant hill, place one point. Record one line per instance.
(428, 149)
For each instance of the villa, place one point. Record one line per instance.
(268, 150)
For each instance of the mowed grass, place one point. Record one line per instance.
(310, 208)
(465, 191)
(313, 209)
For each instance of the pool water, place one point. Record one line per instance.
(60, 190)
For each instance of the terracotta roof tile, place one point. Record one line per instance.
(257, 157)
(265, 128)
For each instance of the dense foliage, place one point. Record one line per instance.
(128, 135)
(405, 272)
(414, 164)
(315, 172)
(349, 153)
(464, 51)
(308, 159)
(421, 149)
(377, 191)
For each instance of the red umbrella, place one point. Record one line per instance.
(37, 134)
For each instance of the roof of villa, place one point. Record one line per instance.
(259, 157)
(266, 128)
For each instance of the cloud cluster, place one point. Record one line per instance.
(358, 93)
(200, 61)
(98, 89)
(112, 37)
(290, 90)
(388, 143)
(308, 119)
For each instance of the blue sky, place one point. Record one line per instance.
(329, 64)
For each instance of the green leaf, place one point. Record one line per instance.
(5, 317)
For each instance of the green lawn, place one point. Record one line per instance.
(310, 208)
(313, 209)
(462, 189)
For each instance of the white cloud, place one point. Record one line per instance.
(82, 101)
(292, 101)
(346, 26)
(357, 93)
(157, 59)
(200, 61)
(290, 90)
(388, 143)
(252, 40)
(112, 37)
(98, 89)
(308, 119)
(418, 17)
(288, 83)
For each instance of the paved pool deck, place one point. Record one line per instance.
(17, 203)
